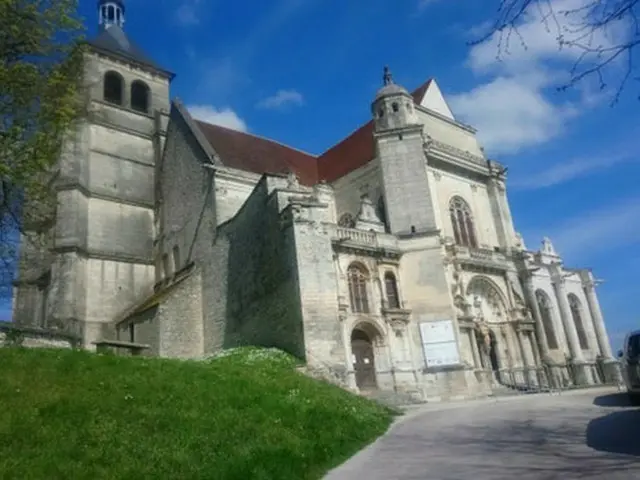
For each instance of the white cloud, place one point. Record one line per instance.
(282, 99)
(510, 114)
(536, 39)
(423, 4)
(514, 109)
(187, 13)
(598, 231)
(225, 117)
(570, 170)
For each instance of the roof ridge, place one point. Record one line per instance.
(260, 137)
(345, 138)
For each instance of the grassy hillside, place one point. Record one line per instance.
(246, 416)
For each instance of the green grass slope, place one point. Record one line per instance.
(247, 415)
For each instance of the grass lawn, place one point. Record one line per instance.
(247, 415)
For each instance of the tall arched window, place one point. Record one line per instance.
(358, 278)
(546, 310)
(462, 222)
(391, 290)
(576, 313)
(113, 88)
(140, 96)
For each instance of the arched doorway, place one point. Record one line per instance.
(363, 360)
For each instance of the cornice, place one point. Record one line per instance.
(73, 185)
(95, 254)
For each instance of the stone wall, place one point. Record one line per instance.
(172, 324)
(349, 189)
(15, 335)
(102, 258)
(324, 342)
(253, 295)
(186, 200)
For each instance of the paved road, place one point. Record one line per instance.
(581, 435)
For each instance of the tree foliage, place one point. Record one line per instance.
(41, 65)
(602, 35)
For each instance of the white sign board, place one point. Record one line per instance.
(439, 343)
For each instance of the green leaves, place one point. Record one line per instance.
(41, 72)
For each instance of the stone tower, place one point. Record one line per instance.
(399, 147)
(102, 255)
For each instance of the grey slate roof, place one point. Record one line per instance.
(113, 40)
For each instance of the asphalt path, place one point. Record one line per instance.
(591, 434)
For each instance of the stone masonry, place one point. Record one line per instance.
(390, 263)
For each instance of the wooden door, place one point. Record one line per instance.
(364, 364)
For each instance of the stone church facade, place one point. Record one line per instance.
(390, 261)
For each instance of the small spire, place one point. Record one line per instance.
(387, 78)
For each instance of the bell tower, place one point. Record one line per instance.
(403, 165)
(111, 12)
(103, 252)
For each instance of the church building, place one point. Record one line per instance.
(390, 262)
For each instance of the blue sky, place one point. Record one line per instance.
(304, 72)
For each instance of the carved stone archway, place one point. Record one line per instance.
(488, 302)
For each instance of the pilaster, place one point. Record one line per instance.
(577, 359)
(598, 320)
(537, 316)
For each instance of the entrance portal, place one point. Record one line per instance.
(363, 360)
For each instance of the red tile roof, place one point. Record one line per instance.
(260, 155)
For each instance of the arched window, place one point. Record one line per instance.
(576, 313)
(347, 221)
(113, 88)
(140, 96)
(462, 222)
(358, 278)
(544, 304)
(176, 258)
(391, 290)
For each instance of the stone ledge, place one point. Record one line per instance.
(118, 346)
(35, 332)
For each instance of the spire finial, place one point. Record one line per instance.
(387, 78)
(111, 12)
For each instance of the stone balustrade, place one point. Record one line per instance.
(363, 238)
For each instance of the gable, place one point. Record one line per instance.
(433, 99)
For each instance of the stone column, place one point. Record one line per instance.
(534, 341)
(580, 368)
(598, 321)
(477, 362)
(610, 364)
(529, 372)
(537, 316)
